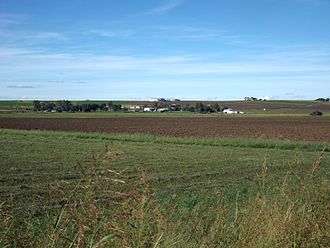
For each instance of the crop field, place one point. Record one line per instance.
(282, 128)
(109, 179)
(62, 189)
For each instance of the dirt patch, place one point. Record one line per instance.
(286, 128)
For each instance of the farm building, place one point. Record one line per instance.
(231, 111)
(149, 109)
(134, 108)
(161, 110)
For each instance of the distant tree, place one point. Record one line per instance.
(175, 107)
(215, 107)
(322, 99)
(110, 105)
(103, 107)
(64, 106)
(188, 108)
(36, 105)
(47, 106)
(199, 107)
(94, 107)
(316, 113)
(156, 105)
(208, 109)
(75, 108)
(116, 107)
(191, 109)
(85, 108)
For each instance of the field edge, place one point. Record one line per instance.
(142, 138)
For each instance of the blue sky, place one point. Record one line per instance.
(188, 49)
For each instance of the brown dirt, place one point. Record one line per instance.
(288, 128)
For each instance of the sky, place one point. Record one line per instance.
(186, 49)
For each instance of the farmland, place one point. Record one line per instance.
(279, 107)
(165, 124)
(164, 180)
(282, 128)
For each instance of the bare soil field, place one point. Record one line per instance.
(284, 128)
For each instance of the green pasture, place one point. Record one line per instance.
(188, 181)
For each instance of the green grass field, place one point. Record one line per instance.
(13, 105)
(63, 189)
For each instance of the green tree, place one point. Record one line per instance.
(199, 107)
(215, 107)
(110, 105)
(36, 105)
(64, 106)
(116, 107)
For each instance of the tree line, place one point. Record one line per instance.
(68, 106)
(203, 108)
(322, 99)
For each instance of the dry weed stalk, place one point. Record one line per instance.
(317, 163)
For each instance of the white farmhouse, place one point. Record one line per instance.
(162, 110)
(231, 111)
(148, 109)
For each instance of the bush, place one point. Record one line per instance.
(316, 113)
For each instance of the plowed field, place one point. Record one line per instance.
(290, 128)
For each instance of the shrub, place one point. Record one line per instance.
(316, 113)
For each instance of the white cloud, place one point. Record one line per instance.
(48, 36)
(20, 86)
(10, 19)
(66, 82)
(13, 52)
(109, 33)
(12, 38)
(197, 33)
(56, 81)
(25, 61)
(162, 9)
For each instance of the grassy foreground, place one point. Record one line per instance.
(62, 189)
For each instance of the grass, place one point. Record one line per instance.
(59, 189)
